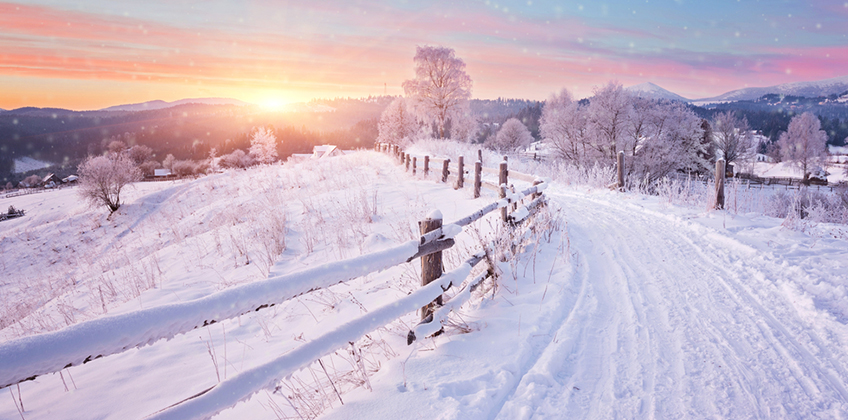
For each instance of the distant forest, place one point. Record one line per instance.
(190, 131)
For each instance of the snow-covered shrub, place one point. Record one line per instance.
(237, 159)
(512, 136)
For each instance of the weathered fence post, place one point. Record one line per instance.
(426, 165)
(620, 171)
(431, 265)
(478, 178)
(502, 180)
(414, 165)
(406, 160)
(460, 176)
(719, 195)
(480, 155)
(536, 194)
(445, 170)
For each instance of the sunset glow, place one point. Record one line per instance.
(94, 54)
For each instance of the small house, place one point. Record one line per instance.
(50, 181)
(162, 173)
(325, 151)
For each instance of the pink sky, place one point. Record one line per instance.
(100, 53)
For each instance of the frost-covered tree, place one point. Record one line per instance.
(804, 143)
(464, 125)
(140, 154)
(669, 140)
(168, 162)
(237, 159)
(263, 145)
(512, 136)
(440, 88)
(398, 124)
(563, 125)
(102, 178)
(733, 138)
(609, 121)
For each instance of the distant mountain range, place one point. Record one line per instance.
(814, 89)
(158, 104)
(827, 87)
(652, 91)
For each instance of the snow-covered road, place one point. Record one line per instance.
(673, 320)
(656, 316)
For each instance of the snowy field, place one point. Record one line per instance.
(836, 171)
(628, 307)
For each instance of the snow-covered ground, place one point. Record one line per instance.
(628, 307)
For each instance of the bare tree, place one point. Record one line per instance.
(102, 178)
(669, 140)
(263, 145)
(440, 87)
(609, 119)
(512, 136)
(397, 123)
(139, 154)
(804, 143)
(733, 138)
(564, 126)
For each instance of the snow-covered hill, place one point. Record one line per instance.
(652, 91)
(159, 104)
(836, 85)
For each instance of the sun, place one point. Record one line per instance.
(272, 104)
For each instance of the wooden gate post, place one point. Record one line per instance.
(445, 170)
(503, 175)
(414, 165)
(719, 193)
(426, 165)
(620, 170)
(460, 176)
(478, 175)
(431, 265)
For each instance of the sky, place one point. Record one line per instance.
(93, 54)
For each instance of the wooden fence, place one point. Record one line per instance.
(26, 358)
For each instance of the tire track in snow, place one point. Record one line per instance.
(672, 324)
